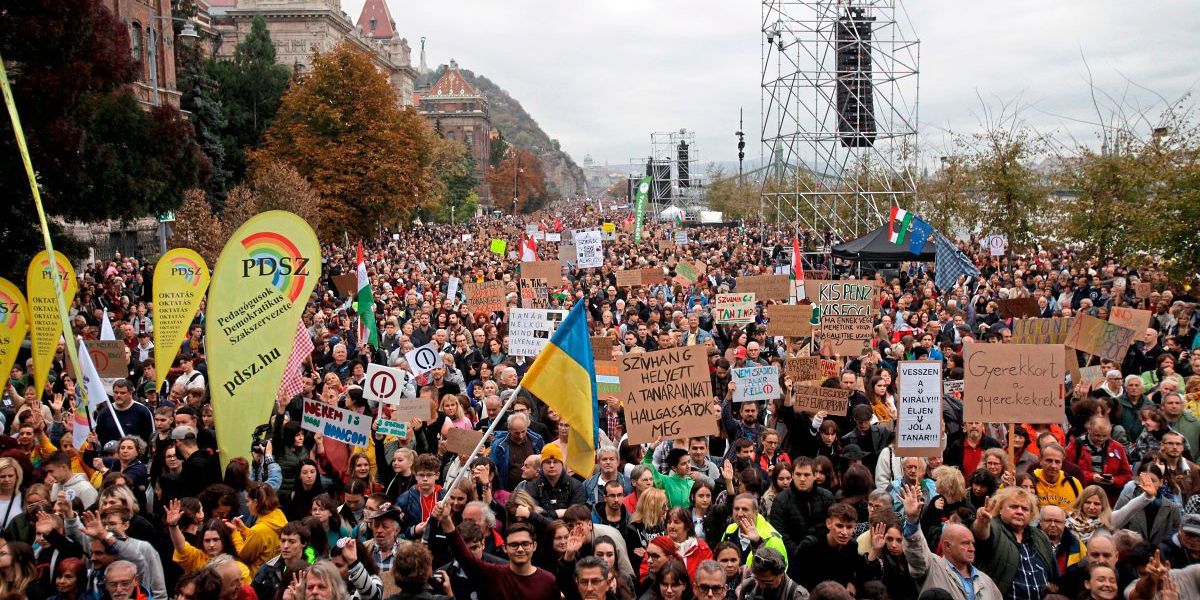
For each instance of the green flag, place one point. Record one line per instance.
(639, 207)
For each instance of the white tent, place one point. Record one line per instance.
(669, 213)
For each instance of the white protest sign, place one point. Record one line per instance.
(553, 237)
(385, 384)
(995, 244)
(336, 424)
(424, 359)
(589, 249)
(754, 384)
(681, 238)
(466, 237)
(919, 408)
(529, 329)
(452, 288)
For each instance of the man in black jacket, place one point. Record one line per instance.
(799, 512)
(554, 490)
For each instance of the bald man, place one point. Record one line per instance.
(954, 571)
(1100, 551)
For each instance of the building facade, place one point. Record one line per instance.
(152, 43)
(458, 112)
(300, 28)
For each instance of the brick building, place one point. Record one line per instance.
(152, 43)
(459, 112)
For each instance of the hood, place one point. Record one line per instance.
(275, 520)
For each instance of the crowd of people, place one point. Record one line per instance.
(781, 504)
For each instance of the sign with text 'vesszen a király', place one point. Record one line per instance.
(919, 408)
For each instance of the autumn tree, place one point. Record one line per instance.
(341, 127)
(457, 178)
(279, 186)
(196, 227)
(520, 168)
(99, 154)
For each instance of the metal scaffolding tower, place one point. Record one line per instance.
(839, 109)
(674, 163)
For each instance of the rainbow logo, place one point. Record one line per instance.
(63, 272)
(10, 309)
(186, 268)
(275, 256)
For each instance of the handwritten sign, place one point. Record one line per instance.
(1100, 338)
(550, 270)
(755, 384)
(535, 293)
(814, 399)
(462, 441)
(1090, 376)
(529, 329)
(627, 278)
(1041, 331)
(109, 358)
(566, 253)
(589, 248)
(919, 408)
(1019, 308)
(681, 238)
(553, 237)
(952, 386)
(668, 394)
(335, 423)
(734, 308)
(486, 296)
(846, 334)
(1014, 383)
(1132, 318)
(804, 368)
(766, 287)
(1143, 289)
(602, 347)
(687, 273)
(790, 320)
(390, 427)
(498, 246)
(346, 285)
(608, 380)
(842, 297)
(652, 276)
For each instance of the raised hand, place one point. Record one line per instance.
(878, 537)
(912, 503)
(173, 514)
(349, 550)
(1146, 483)
(45, 524)
(92, 525)
(748, 530)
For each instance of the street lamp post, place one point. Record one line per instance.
(516, 175)
(187, 35)
(452, 214)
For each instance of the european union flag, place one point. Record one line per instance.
(920, 234)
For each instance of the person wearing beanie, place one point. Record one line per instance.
(553, 489)
(677, 484)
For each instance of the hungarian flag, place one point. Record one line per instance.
(367, 331)
(797, 270)
(899, 224)
(558, 226)
(528, 249)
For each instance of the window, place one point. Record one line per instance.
(135, 41)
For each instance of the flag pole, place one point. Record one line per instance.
(491, 428)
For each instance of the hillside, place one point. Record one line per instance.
(563, 176)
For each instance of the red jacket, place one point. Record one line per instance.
(1116, 463)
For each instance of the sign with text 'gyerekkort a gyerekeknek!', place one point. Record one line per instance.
(667, 394)
(1013, 383)
(919, 408)
(335, 423)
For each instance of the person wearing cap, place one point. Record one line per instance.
(200, 468)
(553, 489)
(870, 438)
(770, 580)
(1183, 549)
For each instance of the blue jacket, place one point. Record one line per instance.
(590, 491)
(409, 503)
(500, 453)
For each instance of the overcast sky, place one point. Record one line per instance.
(600, 76)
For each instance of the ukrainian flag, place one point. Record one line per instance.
(564, 377)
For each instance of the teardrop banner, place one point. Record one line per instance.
(260, 285)
(45, 322)
(180, 280)
(14, 324)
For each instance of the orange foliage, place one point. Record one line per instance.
(530, 180)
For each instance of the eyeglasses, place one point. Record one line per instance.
(710, 590)
(520, 545)
(590, 583)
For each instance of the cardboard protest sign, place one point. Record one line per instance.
(389, 427)
(687, 273)
(550, 270)
(814, 399)
(1013, 383)
(842, 297)
(734, 308)
(109, 358)
(766, 287)
(346, 285)
(462, 441)
(755, 384)
(417, 407)
(589, 248)
(627, 278)
(919, 408)
(790, 320)
(681, 238)
(566, 253)
(535, 293)
(666, 245)
(1090, 376)
(1100, 338)
(1143, 289)
(846, 334)
(608, 380)
(1132, 318)
(602, 347)
(668, 394)
(486, 296)
(1019, 308)
(830, 368)
(529, 329)
(652, 276)
(1041, 331)
(804, 368)
(335, 423)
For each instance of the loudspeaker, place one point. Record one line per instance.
(855, 92)
(682, 166)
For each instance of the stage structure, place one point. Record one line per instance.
(839, 110)
(673, 162)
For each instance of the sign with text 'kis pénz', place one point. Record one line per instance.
(1014, 383)
(919, 408)
(335, 423)
(668, 394)
(260, 285)
(755, 384)
(180, 279)
(45, 323)
(842, 297)
(14, 323)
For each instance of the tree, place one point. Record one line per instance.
(342, 129)
(457, 179)
(279, 186)
(499, 147)
(250, 87)
(197, 228)
(201, 98)
(522, 168)
(99, 155)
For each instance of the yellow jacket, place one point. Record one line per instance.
(1061, 493)
(191, 558)
(262, 542)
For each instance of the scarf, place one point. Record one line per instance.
(1084, 527)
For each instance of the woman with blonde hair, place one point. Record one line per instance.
(11, 503)
(649, 520)
(1091, 514)
(951, 496)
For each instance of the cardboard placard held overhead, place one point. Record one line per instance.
(1014, 383)
(1132, 318)
(1041, 331)
(1100, 338)
(842, 297)
(486, 296)
(346, 285)
(814, 399)
(550, 270)
(1019, 308)
(530, 329)
(919, 408)
(462, 441)
(766, 287)
(668, 394)
(109, 358)
(627, 278)
(687, 273)
(1090, 376)
(846, 335)
(804, 368)
(608, 380)
(566, 253)
(652, 276)
(602, 347)
(734, 308)
(790, 320)
(755, 384)
(1143, 289)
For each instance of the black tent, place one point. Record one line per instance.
(876, 247)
